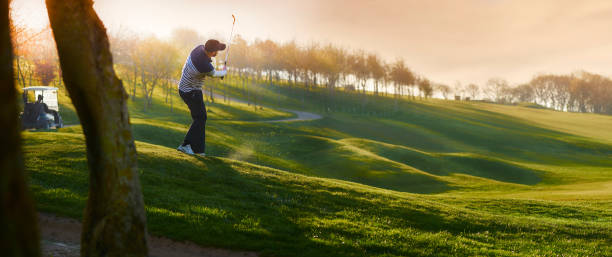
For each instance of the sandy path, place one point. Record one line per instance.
(301, 116)
(61, 238)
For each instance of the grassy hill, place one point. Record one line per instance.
(372, 178)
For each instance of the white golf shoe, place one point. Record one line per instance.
(185, 149)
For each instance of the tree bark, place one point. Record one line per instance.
(114, 222)
(18, 227)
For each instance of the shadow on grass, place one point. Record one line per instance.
(223, 203)
(447, 164)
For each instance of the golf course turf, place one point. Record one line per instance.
(420, 178)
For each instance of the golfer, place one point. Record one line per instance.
(196, 68)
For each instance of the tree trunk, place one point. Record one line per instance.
(167, 87)
(20, 74)
(18, 226)
(114, 222)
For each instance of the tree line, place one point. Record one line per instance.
(149, 63)
(577, 92)
(327, 66)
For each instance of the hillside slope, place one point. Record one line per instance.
(225, 203)
(423, 177)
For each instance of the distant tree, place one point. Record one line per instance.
(401, 77)
(598, 93)
(560, 91)
(269, 59)
(497, 89)
(359, 68)
(156, 61)
(123, 46)
(45, 70)
(185, 39)
(425, 88)
(459, 89)
(114, 221)
(18, 223)
(290, 54)
(376, 68)
(388, 68)
(539, 84)
(553, 90)
(329, 62)
(523, 93)
(397, 76)
(26, 47)
(472, 90)
(239, 58)
(445, 90)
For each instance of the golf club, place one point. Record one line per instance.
(229, 42)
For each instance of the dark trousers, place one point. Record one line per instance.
(196, 134)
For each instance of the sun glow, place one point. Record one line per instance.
(30, 13)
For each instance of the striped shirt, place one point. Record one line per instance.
(197, 66)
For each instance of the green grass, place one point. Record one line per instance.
(425, 177)
(226, 203)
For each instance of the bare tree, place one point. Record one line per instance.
(473, 90)
(114, 221)
(376, 69)
(540, 88)
(26, 45)
(425, 88)
(496, 89)
(156, 61)
(19, 229)
(561, 92)
(459, 90)
(523, 93)
(123, 46)
(445, 90)
(289, 60)
(45, 70)
(360, 69)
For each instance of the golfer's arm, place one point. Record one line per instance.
(217, 73)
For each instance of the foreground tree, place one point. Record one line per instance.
(114, 220)
(18, 228)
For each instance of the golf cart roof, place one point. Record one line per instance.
(40, 88)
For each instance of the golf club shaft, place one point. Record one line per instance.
(229, 42)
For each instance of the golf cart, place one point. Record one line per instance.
(43, 112)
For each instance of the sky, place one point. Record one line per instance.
(447, 41)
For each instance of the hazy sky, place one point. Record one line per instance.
(447, 41)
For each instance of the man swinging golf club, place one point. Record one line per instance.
(196, 68)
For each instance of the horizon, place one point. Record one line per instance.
(467, 42)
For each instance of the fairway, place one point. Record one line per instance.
(438, 178)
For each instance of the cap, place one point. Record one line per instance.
(214, 45)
